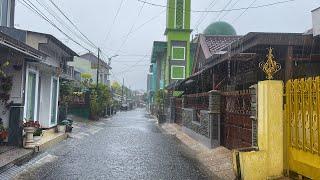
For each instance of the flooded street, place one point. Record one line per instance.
(128, 146)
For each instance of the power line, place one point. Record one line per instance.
(148, 21)
(232, 6)
(135, 30)
(114, 20)
(218, 11)
(131, 29)
(127, 70)
(133, 55)
(225, 7)
(244, 11)
(204, 15)
(56, 16)
(33, 8)
(73, 24)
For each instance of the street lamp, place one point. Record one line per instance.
(110, 58)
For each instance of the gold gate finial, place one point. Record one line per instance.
(270, 67)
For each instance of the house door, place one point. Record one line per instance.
(54, 100)
(31, 96)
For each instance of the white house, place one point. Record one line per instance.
(19, 55)
(316, 21)
(42, 78)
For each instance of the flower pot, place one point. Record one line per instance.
(36, 138)
(4, 135)
(29, 144)
(61, 128)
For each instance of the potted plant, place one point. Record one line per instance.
(68, 123)
(62, 127)
(37, 134)
(29, 128)
(3, 132)
(5, 88)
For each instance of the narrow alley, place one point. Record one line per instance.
(128, 146)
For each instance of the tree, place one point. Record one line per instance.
(86, 80)
(66, 94)
(100, 99)
(116, 87)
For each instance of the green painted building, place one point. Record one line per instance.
(178, 62)
(170, 60)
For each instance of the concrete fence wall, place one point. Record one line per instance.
(204, 125)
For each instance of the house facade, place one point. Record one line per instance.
(14, 84)
(88, 64)
(42, 78)
(233, 71)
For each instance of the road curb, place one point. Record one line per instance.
(19, 160)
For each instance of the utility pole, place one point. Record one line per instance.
(98, 67)
(122, 88)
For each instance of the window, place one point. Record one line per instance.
(177, 72)
(179, 20)
(178, 53)
(31, 97)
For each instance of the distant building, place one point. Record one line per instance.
(7, 13)
(88, 64)
(316, 21)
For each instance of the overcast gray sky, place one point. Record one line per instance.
(95, 19)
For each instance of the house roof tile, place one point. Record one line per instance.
(218, 43)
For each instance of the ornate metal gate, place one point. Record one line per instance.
(236, 131)
(302, 117)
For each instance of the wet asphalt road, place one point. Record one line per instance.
(128, 146)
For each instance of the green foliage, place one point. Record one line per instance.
(37, 132)
(86, 80)
(116, 87)
(2, 67)
(86, 76)
(94, 108)
(66, 90)
(100, 98)
(160, 97)
(64, 123)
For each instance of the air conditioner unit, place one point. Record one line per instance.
(316, 21)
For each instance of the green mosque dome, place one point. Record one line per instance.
(220, 28)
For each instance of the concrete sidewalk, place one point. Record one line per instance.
(14, 155)
(217, 161)
(49, 139)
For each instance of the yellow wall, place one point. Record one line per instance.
(268, 161)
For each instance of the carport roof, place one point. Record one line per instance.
(9, 42)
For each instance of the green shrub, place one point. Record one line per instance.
(37, 132)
